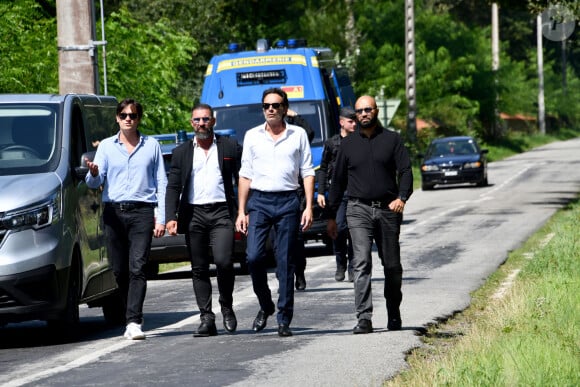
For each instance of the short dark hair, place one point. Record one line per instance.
(202, 106)
(128, 102)
(280, 92)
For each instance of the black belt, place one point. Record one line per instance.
(384, 204)
(128, 206)
(210, 206)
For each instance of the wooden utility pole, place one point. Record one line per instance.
(77, 67)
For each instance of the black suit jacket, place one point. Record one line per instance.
(178, 180)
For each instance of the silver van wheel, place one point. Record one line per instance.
(68, 320)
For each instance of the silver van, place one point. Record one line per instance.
(52, 252)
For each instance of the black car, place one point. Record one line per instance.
(454, 160)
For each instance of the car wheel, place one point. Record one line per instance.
(482, 183)
(114, 309)
(65, 325)
(427, 186)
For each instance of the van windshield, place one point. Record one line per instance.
(244, 117)
(27, 138)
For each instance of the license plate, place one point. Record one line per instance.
(451, 173)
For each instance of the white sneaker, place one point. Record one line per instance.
(134, 332)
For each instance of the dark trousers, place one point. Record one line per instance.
(280, 211)
(128, 238)
(383, 226)
(342, 245)
(211, 227)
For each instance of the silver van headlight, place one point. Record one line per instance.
(37, 216)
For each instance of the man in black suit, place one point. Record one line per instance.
(201, 203)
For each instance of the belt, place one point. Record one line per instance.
(384, 204)
(128, 206)
(210, 206)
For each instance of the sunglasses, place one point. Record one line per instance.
(366, 110)
(275, 105)
(197, 120)
(132, 116)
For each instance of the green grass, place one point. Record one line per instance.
(530, 336)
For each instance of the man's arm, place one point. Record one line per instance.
(243, 193)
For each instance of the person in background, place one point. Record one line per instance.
(342, 244)
(294, 118)
(275, 155)
(374, 167)
(129, 166)
(200, 203)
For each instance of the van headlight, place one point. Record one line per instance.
(37, 216)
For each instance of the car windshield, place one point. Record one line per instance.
(452, 148)
(242, 118)
(27, 138)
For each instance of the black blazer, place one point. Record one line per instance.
(176, 203)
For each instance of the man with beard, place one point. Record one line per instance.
(200, 203)
(373, 166)
(276, 154)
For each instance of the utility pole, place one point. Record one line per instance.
(77, 67)
(495, 65)
(541, 106)
(410, 70)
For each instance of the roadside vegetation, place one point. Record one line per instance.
(523, 325)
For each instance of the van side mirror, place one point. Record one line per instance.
(82, 170)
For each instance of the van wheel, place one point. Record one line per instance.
(65, 325)
(114, 309)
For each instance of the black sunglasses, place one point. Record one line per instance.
(366, 110)
(132, 116)
(198, 119)
(275, 105)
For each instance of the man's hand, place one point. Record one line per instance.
(321, 200)
(331, 228)
(171, 227)
(306, 220)
(93, 168)
(242, 223)
(159, 230)
(397, 206)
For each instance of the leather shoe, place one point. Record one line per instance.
(260, 320)
(206, 328)
(284, 330)
(339, 275)
(300, 281)
(394, 324)
(363, 326)
(230, 320)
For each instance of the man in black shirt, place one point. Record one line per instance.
(373, 165)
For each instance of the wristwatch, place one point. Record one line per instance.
(403, 198)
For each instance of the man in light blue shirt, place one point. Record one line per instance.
(275, 155)
(129, 166)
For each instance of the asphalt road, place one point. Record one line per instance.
(452, 239)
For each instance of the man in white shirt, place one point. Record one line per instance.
(274, 157)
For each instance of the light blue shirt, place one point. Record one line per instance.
(139, 176)
(274, 166)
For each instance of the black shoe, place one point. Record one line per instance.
(339, 275)
(284, 330)
(300, 281)
(230, 320)
(206, 328)
(350, 276)
(394, 324)
(260, 320)
(363, 326)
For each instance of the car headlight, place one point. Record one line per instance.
(428, 168)
(38, 216)
(476, 164)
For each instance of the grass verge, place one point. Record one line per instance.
(523, 325)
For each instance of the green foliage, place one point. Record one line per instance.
(28, 47)
(143, 62)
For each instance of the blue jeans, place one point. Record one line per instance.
(128, 236)
(383, 226)
(278, 210)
